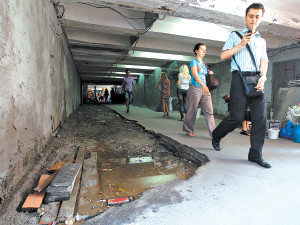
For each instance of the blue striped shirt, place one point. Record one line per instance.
(242, 56)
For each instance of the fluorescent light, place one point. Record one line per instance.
(157, 55)
(192, 28)
(115, 77)
(125, 73)
(136, 67)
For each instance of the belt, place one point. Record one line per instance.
(246, 73)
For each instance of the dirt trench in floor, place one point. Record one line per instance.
(130, 159)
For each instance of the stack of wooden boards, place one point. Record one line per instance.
(57, 210)
(34, 201)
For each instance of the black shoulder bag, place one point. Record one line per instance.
(211, 81)
(250, 81)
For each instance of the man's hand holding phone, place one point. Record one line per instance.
(246, 38)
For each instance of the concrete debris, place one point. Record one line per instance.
(49, 212)
(61, 187)
(67, 175)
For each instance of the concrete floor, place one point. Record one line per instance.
(227, 190)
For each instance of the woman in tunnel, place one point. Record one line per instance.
(183, 83)
(198, 93)
(164, 88)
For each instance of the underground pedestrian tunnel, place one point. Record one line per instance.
(56, 53)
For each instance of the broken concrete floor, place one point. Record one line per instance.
(121, 159)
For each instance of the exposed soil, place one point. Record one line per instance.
(130, 161)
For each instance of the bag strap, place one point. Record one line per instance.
(236, 63)
(206, 68)
(250, 52)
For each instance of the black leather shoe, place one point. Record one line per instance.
(216, 144)
(260, 162)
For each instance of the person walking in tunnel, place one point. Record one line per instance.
(183, 83)
(164, 88)
(106, 94)
(198, 93)
(112, 95)
(242, 64)
(127, 84)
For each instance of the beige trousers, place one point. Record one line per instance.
(195, 96)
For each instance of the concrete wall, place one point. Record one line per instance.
(39, 85)
(284, 65)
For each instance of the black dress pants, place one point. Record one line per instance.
(237, 108)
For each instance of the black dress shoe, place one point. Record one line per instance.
(260, 162)
(216, 144)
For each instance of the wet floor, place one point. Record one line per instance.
(129, 160)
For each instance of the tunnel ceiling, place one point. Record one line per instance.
(106, 37)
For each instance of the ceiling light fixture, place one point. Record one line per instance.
(123, 73)
(157, 55)
(136, 67)
(114, 77)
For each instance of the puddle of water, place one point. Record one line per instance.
(134, 175)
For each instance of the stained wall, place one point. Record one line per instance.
(39, 85)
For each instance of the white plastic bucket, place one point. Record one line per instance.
(273, 133)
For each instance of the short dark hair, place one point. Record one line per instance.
(197, 46)
(127, 70)
(256, 6)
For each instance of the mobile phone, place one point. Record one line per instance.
(249, 32)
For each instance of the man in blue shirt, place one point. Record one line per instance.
(128, 82)
(235, 46)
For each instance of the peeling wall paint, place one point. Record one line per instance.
(32, 101)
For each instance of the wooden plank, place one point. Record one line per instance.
(43, 178)
(44, 184)
(34, 201)
(57, 166)
(71, 160)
